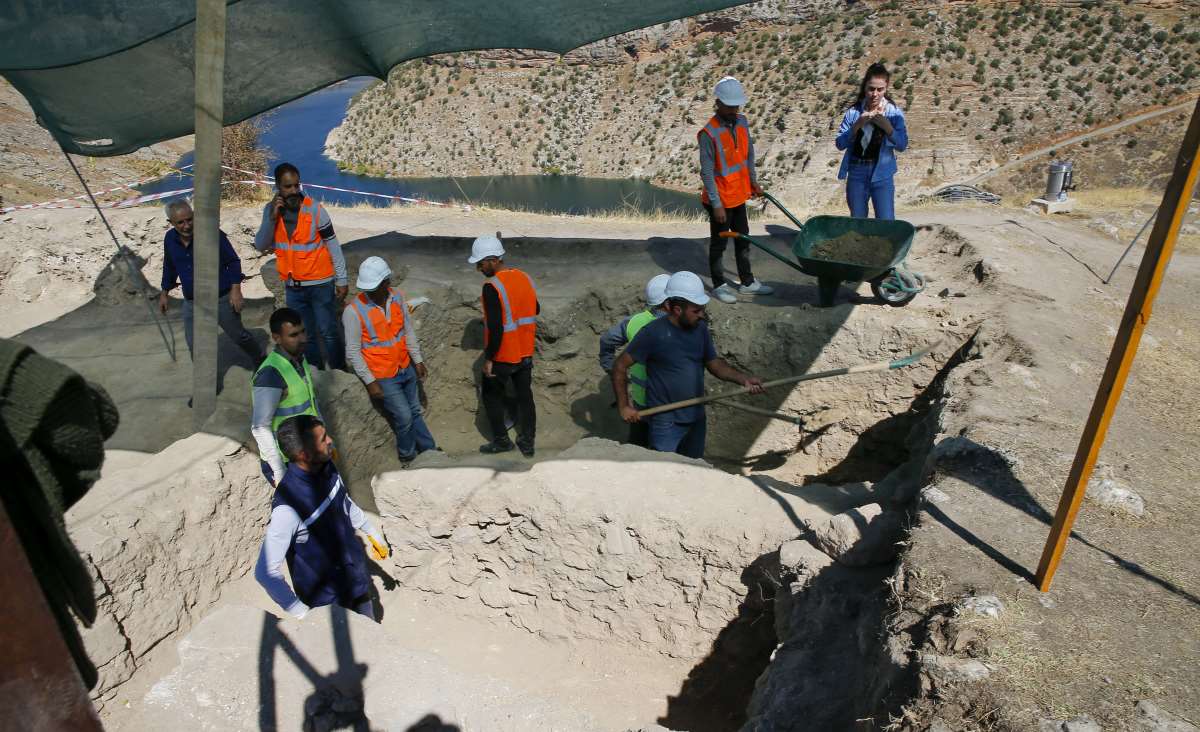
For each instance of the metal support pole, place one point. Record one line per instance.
(1137, 313)
(210, 110)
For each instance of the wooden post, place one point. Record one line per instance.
(40, 688)
(210, 110)
(1137, 313)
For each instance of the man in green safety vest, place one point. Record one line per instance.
(615, 338)
(281, 388)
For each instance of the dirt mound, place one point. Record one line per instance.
(122, 281)
(576, 548)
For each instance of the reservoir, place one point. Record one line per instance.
(297, 133)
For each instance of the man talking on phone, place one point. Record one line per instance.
(310, 261)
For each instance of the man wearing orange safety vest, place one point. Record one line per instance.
(730, 179)
(382, 348)
(510, 308)
(310, 262)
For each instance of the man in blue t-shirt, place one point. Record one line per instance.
(676, 350)
(177, 270)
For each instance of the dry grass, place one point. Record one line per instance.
(241, 147)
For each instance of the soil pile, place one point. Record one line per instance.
(855, 248)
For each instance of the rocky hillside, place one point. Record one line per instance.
(979, 82)
(33, 168)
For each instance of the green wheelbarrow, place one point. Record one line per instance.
(890, 281)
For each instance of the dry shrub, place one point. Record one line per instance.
(242, 148)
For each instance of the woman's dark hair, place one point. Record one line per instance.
(873, 71)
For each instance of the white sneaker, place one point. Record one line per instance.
(756, 288)
(725, 294)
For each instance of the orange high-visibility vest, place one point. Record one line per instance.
(384, 345)
(302, 256)
(518, 306)
(729, 163)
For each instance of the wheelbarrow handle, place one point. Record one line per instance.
(764, 247)
(799, 224)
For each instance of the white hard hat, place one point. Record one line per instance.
(656, 290)
(729, 92)
(371, 273)
(484, 247)
(687, 286)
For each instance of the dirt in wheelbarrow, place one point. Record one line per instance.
(855, 248)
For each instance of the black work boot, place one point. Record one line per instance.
(526, 448)
(497, 446)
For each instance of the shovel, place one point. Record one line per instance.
(880, 366)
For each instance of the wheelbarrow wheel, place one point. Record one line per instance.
(885, 288)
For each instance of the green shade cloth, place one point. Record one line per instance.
(107, 77)
(53, 425)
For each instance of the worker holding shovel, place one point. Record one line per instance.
(618, 336)
(676, 349)
(729, 177)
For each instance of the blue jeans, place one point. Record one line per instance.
(684, 438)
(860, 188)
(230, 322)
(403, 406)
(316, 307)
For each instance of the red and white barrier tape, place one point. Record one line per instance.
(269, 180)
(56, 203)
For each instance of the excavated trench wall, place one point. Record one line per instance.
(603, 542)
(161, 539)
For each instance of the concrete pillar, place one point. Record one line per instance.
(210, 110)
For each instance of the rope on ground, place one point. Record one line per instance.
(903, 280)
(1129, 248)
(123, 253)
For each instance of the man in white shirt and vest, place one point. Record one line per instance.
(312, 529)
(382, 348)
(310, 263)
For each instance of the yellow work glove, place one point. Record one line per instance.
(378, 551)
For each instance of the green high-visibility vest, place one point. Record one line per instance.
(299, 397)
(637, 372)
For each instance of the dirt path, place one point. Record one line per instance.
(1093, 134)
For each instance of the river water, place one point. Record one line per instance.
(297, 132)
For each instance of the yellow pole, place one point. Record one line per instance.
(1137, 313)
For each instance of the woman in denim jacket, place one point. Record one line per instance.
(872, 132)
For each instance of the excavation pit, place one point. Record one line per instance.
(526, 593)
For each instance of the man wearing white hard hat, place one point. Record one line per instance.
(510, 308)
(676, 350)
(383, 350)
(730, 179)
(615, 338)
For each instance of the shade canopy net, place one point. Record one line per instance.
(107, 77)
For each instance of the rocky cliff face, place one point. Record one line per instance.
(978, 85)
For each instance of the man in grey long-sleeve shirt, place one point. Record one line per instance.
(382, 347)
(311, 265)
(730, 179)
